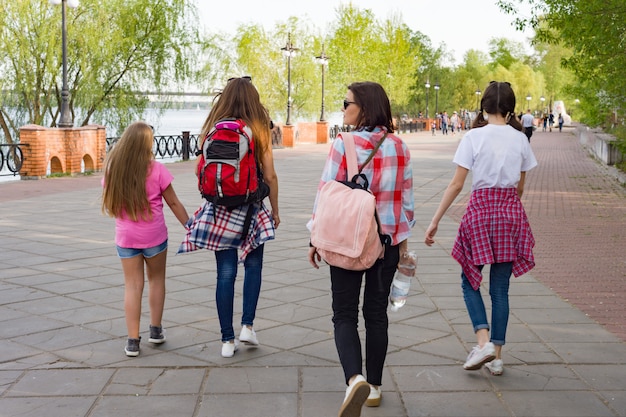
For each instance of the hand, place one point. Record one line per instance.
(276, 219)
(429, 236)
(314, 257)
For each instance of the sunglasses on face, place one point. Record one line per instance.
(346, 103)
(245, 77)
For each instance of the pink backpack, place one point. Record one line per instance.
(345, 229)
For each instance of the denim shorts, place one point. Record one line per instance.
(125, 253)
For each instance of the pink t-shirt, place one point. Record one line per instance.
(147, 233)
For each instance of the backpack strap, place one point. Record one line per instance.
(351, 160)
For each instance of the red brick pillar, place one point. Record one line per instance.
(288, 136)
(322, 132)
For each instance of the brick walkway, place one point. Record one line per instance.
(578, 216)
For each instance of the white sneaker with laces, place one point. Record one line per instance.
(248, 336)
(356, 395)
(496, 367)
(480, 356)
(229, 348)
(373, 400)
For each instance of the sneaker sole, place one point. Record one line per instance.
(156, 341)
(373, 402)
(480, 364)
(352, 406)
(131, 354)
(249, 343)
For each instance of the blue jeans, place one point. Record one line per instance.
(499, 278)
(225, 290)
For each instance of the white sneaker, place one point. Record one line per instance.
(229, 348)
(373, 400)
(496, 367)
(248, 336)
(356, 395)
(480, 356)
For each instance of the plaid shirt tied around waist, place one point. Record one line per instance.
(494, 229)
(217, 228)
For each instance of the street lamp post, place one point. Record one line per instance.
(528, 98)
(322, 59)
(436, 99)
(542, 99)
(289, 50)
(427, 85)
(478, 93)
(65, 119)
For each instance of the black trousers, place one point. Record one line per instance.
(346, 291)
(529, 132)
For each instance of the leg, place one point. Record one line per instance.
(253, 266)
(225, 290)
(133, 290)
(476, 310)
(375, 301)
(155, 269)
(499, 279)
(346, 289)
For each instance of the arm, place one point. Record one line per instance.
(270, 177)
(451, 193)
(175, 205)
(520, 185)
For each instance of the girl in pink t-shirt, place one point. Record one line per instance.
(134, 188)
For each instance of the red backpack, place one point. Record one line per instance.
(228, 174)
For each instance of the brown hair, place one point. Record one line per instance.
(125, 172)
(498, 98)
(375, 109)
(240, 100)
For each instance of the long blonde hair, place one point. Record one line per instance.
(125, 172)
(240, 100)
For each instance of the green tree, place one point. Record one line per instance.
(116, 48)
(594, 32)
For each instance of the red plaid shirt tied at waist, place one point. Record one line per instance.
(494, 229)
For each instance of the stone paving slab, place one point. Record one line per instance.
(62, 327)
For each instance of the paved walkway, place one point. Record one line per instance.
(62, 326)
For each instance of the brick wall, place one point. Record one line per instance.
(63, 149)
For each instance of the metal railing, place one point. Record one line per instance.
(183, 146)
(11, 159)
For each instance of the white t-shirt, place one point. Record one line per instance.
(496, 155)
(527, 120)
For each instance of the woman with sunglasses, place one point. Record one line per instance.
(214, 227)
(494, 229)
(366, 108)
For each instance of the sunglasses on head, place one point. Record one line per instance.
(346, 103)
(245, 77)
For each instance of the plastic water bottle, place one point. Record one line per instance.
(402, 280)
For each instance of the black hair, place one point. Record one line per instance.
(374, 104)
(498, 98)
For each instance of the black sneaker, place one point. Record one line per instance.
(132, 347)
(157, 334)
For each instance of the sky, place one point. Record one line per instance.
(461, 25)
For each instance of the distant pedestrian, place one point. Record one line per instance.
(494, 229)
(550, 120)
(528, 123)
(135, 186)
(545, 122)
(560, 122)
(228, 231)
(444, 122)
(390, 176)
(433, 126)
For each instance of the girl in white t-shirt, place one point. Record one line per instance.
(135, 186)
(494, 229)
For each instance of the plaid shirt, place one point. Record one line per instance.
(217, 228)
(390, 177)
(494, 229)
